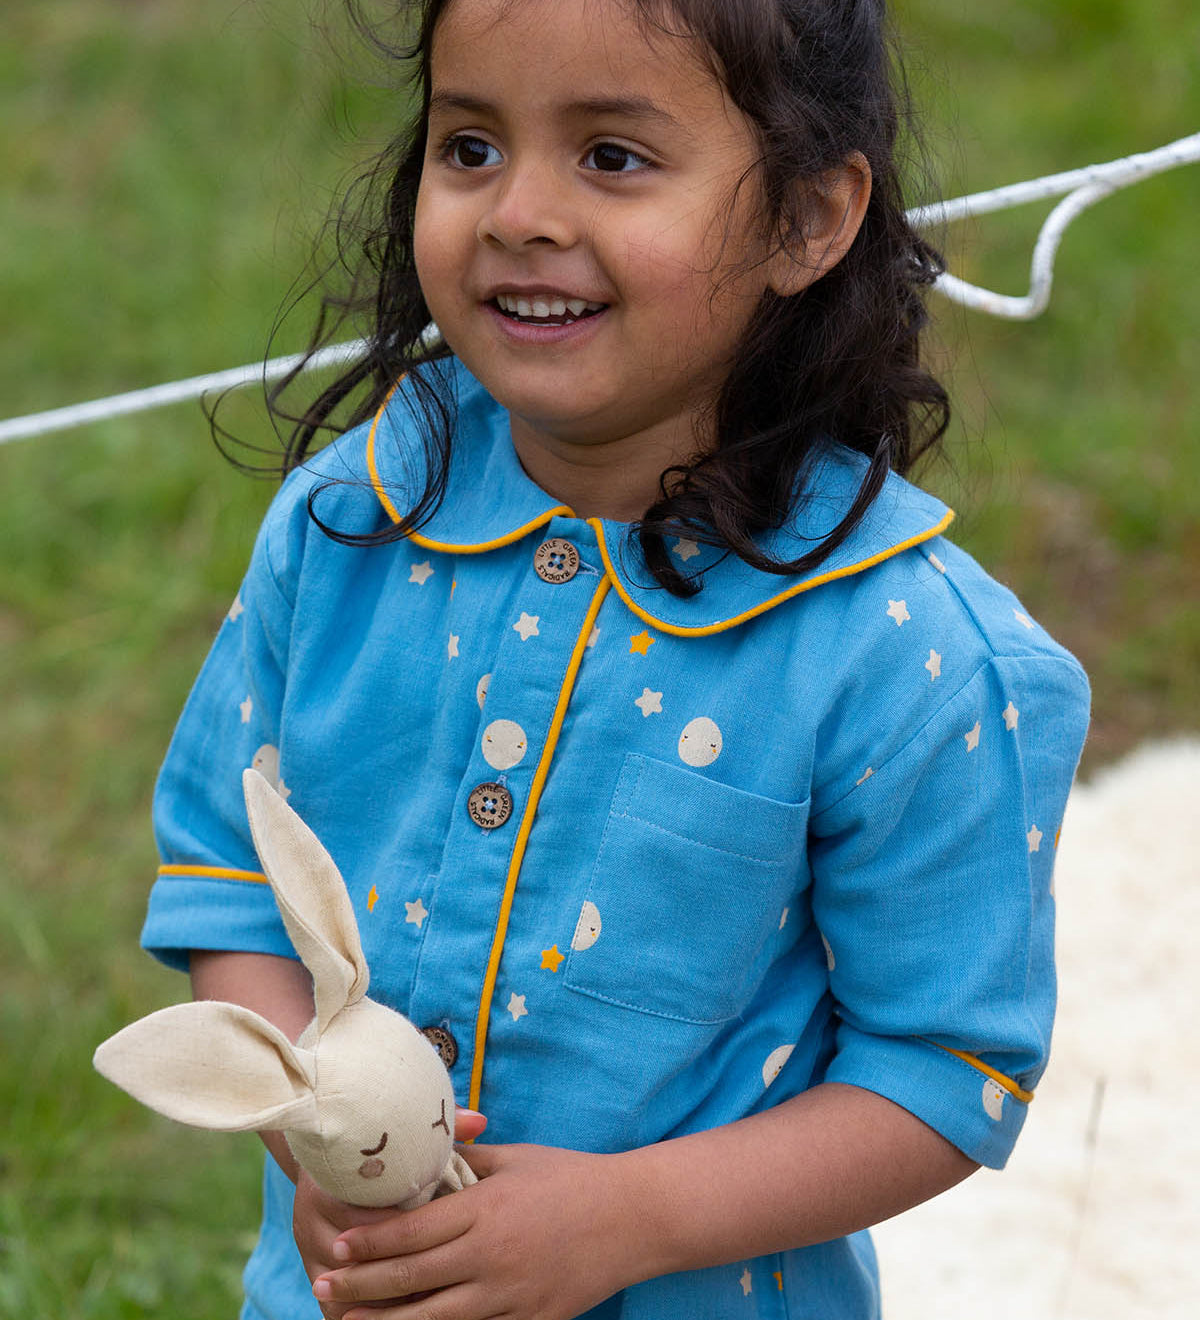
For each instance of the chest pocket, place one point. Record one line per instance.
(684, 903)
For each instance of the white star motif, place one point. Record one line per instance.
(1034, 839)
(686, 549)
(452, 647)
(783, 916)
(747, 1283)
(527, 626)
(416, 913)
(937, 563)
(246, 707)
(421, 573)
(236, 609)
(972, 737)
(934, 665)
(1023, 619)
(898, 610)
(516, 1006)
(594, 638)
(867, 773)
(1011, 716)
(650, 702)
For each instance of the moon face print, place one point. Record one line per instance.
(773, 1065)
(481, 689)
(993, 1099)
(503, 744)
(700, 742)
(587, 928)
(830, 960)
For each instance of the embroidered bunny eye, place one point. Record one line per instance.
(377, 1149)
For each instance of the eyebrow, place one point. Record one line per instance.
(639, 108)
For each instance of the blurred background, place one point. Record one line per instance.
(164, 170)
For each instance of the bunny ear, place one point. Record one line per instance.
(311, 896)
(212, 1065)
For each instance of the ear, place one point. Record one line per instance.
(312, 898)
(211, 1065)
(830, 210)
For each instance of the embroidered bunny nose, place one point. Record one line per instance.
(371, 1168)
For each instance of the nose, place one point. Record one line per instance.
(529, 206)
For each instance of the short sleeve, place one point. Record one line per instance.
(210, 893)
(933, 890)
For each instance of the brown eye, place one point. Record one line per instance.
(382, 1143)
(472, 153)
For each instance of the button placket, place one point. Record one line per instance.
(526, 680)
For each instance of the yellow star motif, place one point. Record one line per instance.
(372, 899)
(551, 958)
(641, 643)
(777, 1275)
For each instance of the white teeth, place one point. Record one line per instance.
(546, 306)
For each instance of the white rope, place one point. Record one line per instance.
(1083, 188)
(178, 391)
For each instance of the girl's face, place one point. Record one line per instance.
(581, 238)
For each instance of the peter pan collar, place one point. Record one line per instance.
(490, 502)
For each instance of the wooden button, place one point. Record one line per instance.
(489, 805)
(443, 1042)
(556, 560)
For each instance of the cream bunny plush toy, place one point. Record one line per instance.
(363, 1097)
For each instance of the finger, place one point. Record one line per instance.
(405, 1232)
(395, 1277)
(468, 1124)
(461, 1302)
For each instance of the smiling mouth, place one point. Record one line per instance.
(545, 310)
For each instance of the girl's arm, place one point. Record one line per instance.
(549, 1233)
(826, 1163)
(278, 989)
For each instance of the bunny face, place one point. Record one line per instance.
(383, 1127)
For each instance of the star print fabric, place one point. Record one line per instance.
(751, 840)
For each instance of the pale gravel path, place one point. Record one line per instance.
(1097, 1216)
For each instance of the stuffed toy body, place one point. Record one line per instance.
(363, 1097)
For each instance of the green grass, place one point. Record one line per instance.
(162, 166)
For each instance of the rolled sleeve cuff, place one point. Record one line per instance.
(205, 912)
(977, 1111)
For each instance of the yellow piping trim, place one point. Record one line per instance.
(518, 853)
(998, 1077)
(372, 470)
(447, 546)
(478, 547)
(807, 585)
(215, 873)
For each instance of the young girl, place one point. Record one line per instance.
(694, 795)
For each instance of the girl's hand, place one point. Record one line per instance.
(318, 1218)
(545, 1235)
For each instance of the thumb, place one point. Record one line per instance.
(468, 1124)
(484, 1160)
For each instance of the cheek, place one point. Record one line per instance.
(434, 247)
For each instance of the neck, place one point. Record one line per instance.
(617, 478)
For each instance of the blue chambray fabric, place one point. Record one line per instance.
(815, 842)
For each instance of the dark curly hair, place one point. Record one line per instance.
(819, 81)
